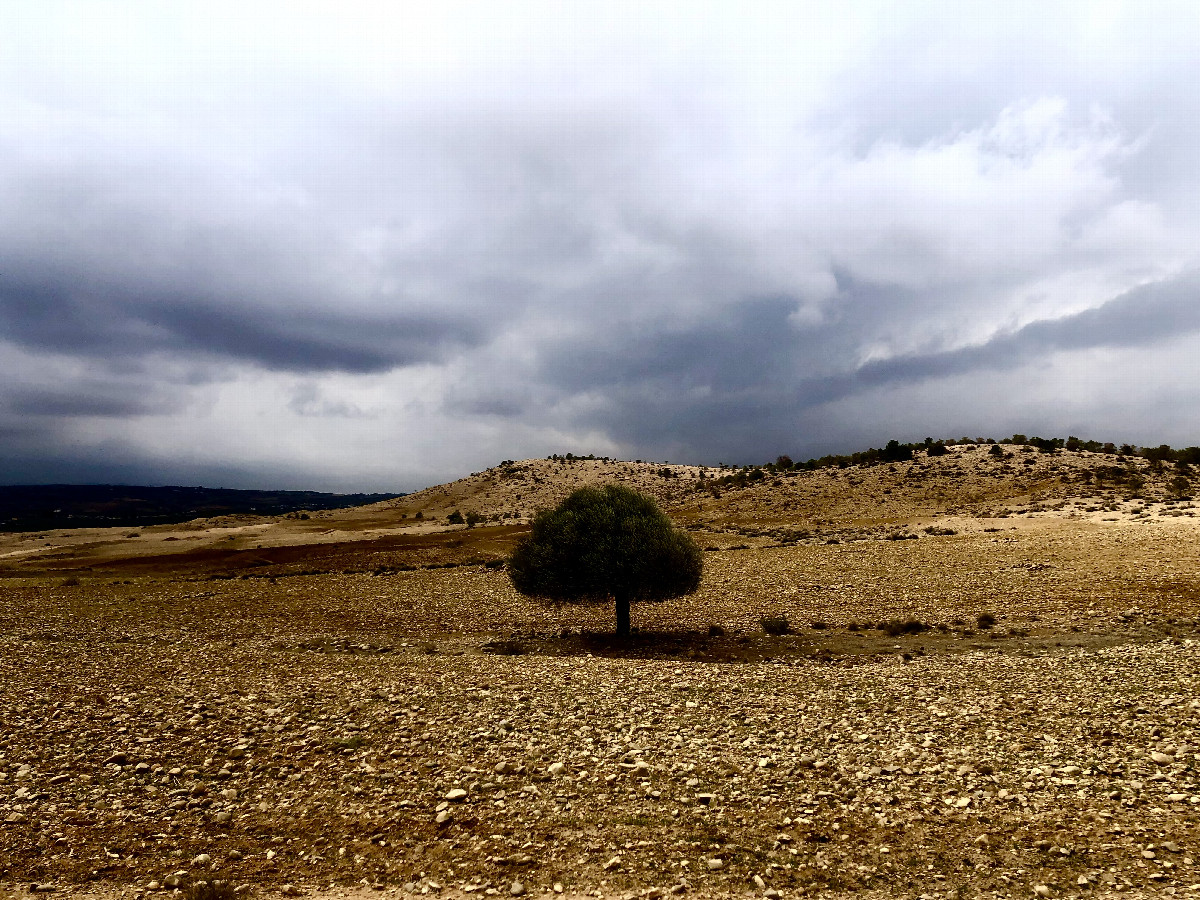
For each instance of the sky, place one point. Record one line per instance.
(373, 246)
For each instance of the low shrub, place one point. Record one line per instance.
(776, 625)
(985, 620)
(210, 890)
(897, 627)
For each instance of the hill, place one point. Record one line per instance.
(965, 481)
(38, 507)
(964, 488)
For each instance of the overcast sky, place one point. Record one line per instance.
(373, 246)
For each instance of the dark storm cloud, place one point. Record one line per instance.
(749, 346)
(79, 402)
(1140, 318)
(736, 386)
(135, 319)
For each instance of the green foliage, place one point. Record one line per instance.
(455, 518)
(776, 625)
(605, 542)
(897, 627)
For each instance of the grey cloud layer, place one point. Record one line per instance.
(707, 242)
(136, 319)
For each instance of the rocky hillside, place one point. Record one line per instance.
(971, 481)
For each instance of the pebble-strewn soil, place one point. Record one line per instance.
(387, 724)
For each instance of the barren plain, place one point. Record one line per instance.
(990, 687)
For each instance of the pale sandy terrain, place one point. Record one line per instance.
(299, 702)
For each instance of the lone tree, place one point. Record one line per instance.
(605, 543)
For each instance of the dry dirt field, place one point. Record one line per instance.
(359, 704)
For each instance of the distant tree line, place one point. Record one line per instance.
(895, 451)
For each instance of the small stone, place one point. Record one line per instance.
(772, 894)
(289, 890)
(237, 752)
(202, 860)
(714, 864)
(152, 885)
(516, 889)
(117, 759)
(41, 888)
(443, 817)
(1162, 758)
(557, 768)
(614, 863)
(1042, 890)
(1172, 846)
(759, 883)
(456, 795)
(558, 888)
(222, 817)
(502, 767)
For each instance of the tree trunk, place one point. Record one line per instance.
(622, 616)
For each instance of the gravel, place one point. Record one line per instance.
(289, 733)
(987, 770)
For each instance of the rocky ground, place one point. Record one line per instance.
(1004, 703)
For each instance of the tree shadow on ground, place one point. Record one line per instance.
(661, 645)
(835, 646)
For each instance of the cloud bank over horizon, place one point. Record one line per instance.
(374, 246)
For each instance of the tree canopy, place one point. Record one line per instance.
(606, 543)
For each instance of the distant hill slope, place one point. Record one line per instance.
(947, 493)
(41, 507)
(978, 480)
